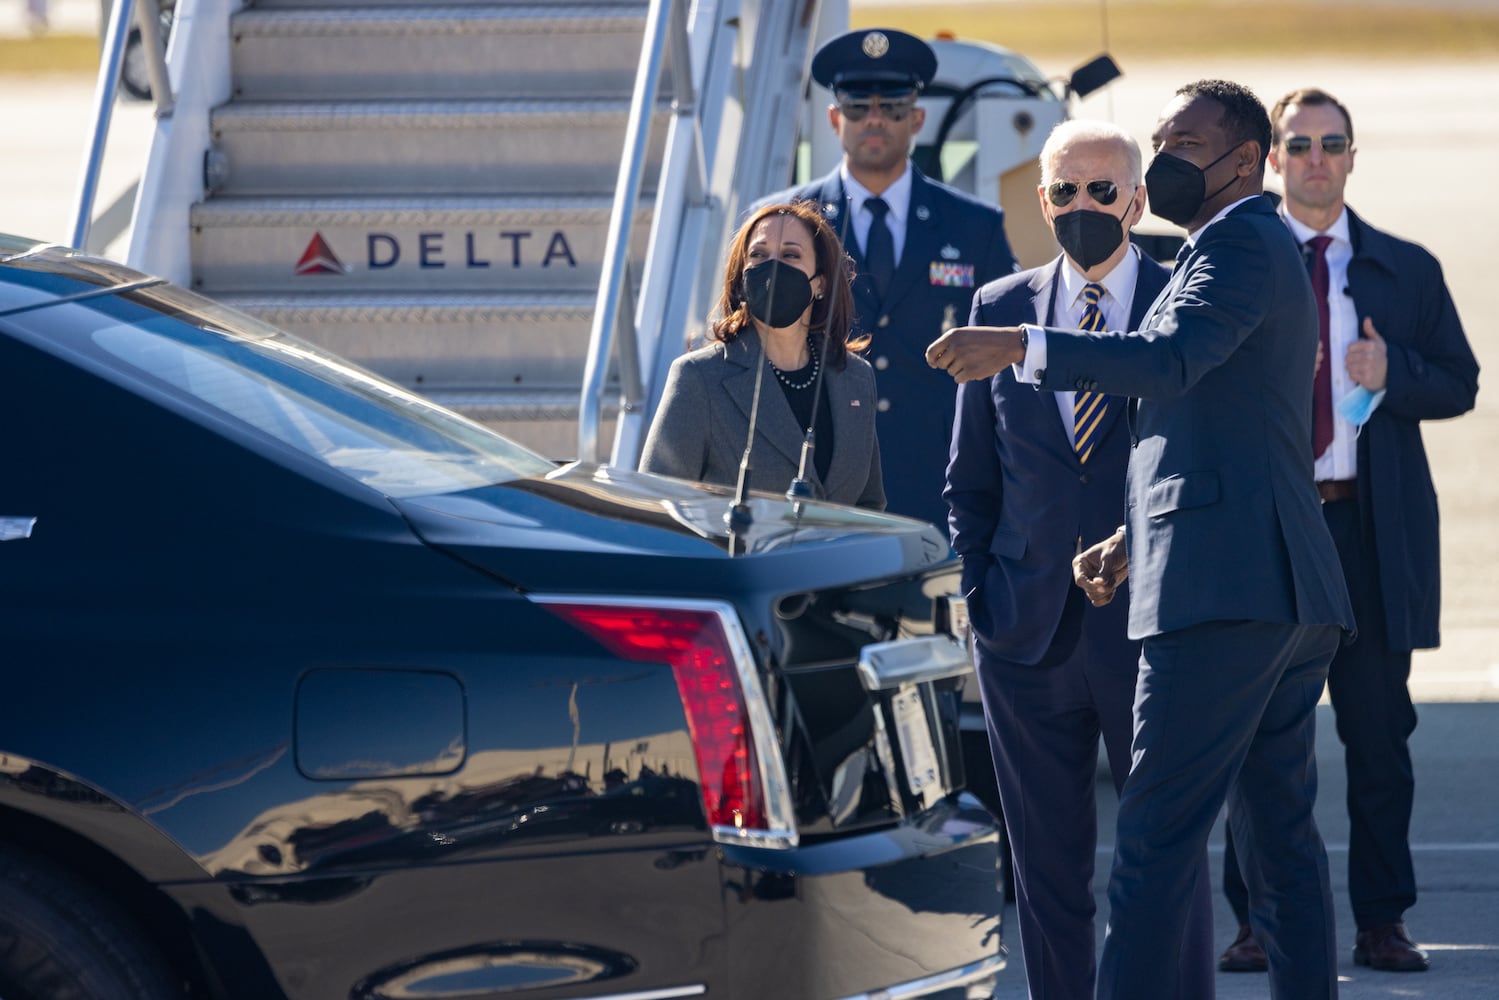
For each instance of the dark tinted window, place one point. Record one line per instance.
(358, 424)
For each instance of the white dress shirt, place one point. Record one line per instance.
(897, 196)
(1119, 294)
(1340, 460)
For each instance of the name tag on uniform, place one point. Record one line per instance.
(950, 275)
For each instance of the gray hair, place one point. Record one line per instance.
(1083, 130)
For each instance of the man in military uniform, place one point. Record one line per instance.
(920, 250)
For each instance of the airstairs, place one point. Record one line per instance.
(515, 209)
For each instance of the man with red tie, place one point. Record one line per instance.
(1394, 355)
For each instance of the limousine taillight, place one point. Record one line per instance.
(746, 796)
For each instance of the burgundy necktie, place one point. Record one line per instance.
(1322, 384)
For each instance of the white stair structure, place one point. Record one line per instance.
(517, 209)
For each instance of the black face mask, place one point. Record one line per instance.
(792, 290)
(1089, 236)
(1175, 186)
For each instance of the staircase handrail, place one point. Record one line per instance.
(608, 315)
(727, 145)
(116, 36)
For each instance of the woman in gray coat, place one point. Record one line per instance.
(785, 317)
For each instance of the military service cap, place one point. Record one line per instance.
(874, 61)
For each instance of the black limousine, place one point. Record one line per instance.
(314, 690)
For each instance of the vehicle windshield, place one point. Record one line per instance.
(389, 439)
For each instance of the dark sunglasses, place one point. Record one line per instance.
(1332, 145)
(857, 109)
(1061, 193)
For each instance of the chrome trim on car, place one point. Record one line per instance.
(780, 819)
(669, 993)
(886, 756)
(755, 838)
(953, 617)
(887, 665)
(14, 528)
(927, 985)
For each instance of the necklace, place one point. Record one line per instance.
(814, 365)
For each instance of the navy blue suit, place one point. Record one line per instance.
(954, 243)
(1237, 592)
(1055, 675)
(1388, 541)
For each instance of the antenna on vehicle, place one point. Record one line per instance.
(738, 517)
(800, 489)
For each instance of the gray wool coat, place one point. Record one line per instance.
(700, 427)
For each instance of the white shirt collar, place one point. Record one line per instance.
(1339, 230)
(897, 195)
(1196, 234)
(1119, 283)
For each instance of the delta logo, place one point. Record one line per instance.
(512, 249)
(319, 258)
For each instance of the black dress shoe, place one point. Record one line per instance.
(1388, 948)
(1244, 955)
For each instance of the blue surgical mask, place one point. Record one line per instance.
(1359, 405)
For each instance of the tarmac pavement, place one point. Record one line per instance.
(1416, 122)
(1455, 847)
(1427, 132)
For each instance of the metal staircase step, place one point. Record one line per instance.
(416, 147)
(511, 362)
(356, 245)
(421, 50)
(448, 343)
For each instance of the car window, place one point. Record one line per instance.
(386, 438)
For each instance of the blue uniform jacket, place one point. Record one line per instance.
(954, 244)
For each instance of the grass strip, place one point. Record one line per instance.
(1148, 30)
(1063, 33)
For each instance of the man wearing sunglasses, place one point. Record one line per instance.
(920, 248)
(1030, 474)
(1395, 354)
(1236, 590)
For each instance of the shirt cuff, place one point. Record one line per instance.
(1034, 364)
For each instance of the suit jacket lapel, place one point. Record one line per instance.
(834, 202)
(1147, 287)
(775, 422)
(854, 429)
(1045, 286)
(923, 237)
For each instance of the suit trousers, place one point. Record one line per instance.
(1045, 722)
(1371, 702)
(1223, 711)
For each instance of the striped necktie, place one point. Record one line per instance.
(1088, 408)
